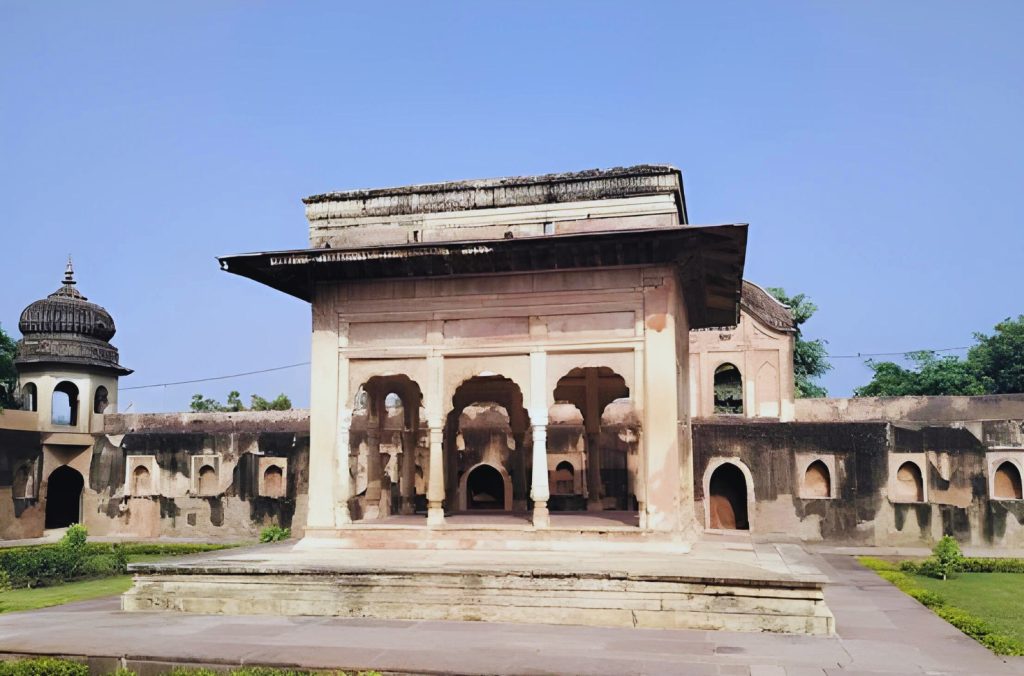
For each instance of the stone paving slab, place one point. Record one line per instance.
(880, 631)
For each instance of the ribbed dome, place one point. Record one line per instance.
(65, 327)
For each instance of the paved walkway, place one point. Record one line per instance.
(880, 631)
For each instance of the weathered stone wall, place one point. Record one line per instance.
(19, 516)
(863, 460)
(912, 409)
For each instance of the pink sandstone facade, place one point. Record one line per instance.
(536, 347)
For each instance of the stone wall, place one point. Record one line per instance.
(912, 409)
(856, 490)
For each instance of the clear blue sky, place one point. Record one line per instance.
(876, 149)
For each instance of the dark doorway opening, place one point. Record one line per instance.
(728, 499)
(63, 497)
(486, 488)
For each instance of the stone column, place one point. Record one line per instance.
(342, 514)
(323, 414)
(595, 489)
(540, 491)
(435, 484)
(408, 472)
(519, 490)
(374, 472)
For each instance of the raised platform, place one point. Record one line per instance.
(724, 586)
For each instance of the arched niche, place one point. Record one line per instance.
(207, 483)
(728, 390)
(817, 481)
(766, 391)
(142, 481)
(1006, 482)
(273, 482)
(909, 484)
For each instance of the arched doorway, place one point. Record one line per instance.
(727, 498)
(485, 488)
(63, 497)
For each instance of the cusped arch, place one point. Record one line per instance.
(465, 500)
(207, 480)
(714, 520)
(142, 480)
(273, 481)
(766, 391)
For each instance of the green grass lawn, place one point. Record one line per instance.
(997, 598)
(68, 592)
(43, 597)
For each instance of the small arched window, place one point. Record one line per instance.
(273, 482)
(207, 480)
(29, 397)
(564, 478)
(141, 481)
(1006, 484)
(909, 484)
(100, 401)
(817, 481)
(23, 486)
(64, 410)
(728, 390)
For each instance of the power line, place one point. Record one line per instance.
(859, 355)
(204, 380)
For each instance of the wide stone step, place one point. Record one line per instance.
(500, 596)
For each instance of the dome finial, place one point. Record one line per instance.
(69, 272)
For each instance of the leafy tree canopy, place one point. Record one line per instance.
(810, 359)
(994, 365)
(201, 404)
(8, 375)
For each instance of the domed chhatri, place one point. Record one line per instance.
(65, 328)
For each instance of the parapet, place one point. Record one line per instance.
(642, 196)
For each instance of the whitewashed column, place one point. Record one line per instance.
(540, 492)
(435, 485)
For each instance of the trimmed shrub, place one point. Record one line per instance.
(275, 534)
(43, 666)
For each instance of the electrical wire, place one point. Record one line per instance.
(859, 355)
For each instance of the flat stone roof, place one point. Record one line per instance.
(488, 193)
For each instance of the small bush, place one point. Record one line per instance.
(947, 556)
(43, 666)
(275, 534)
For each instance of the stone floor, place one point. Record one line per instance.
(880, 631)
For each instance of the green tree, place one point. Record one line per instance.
(201, 404)
(930, 375)
(8, 374)
(280, 403)
(998, 359)
(810, 359)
